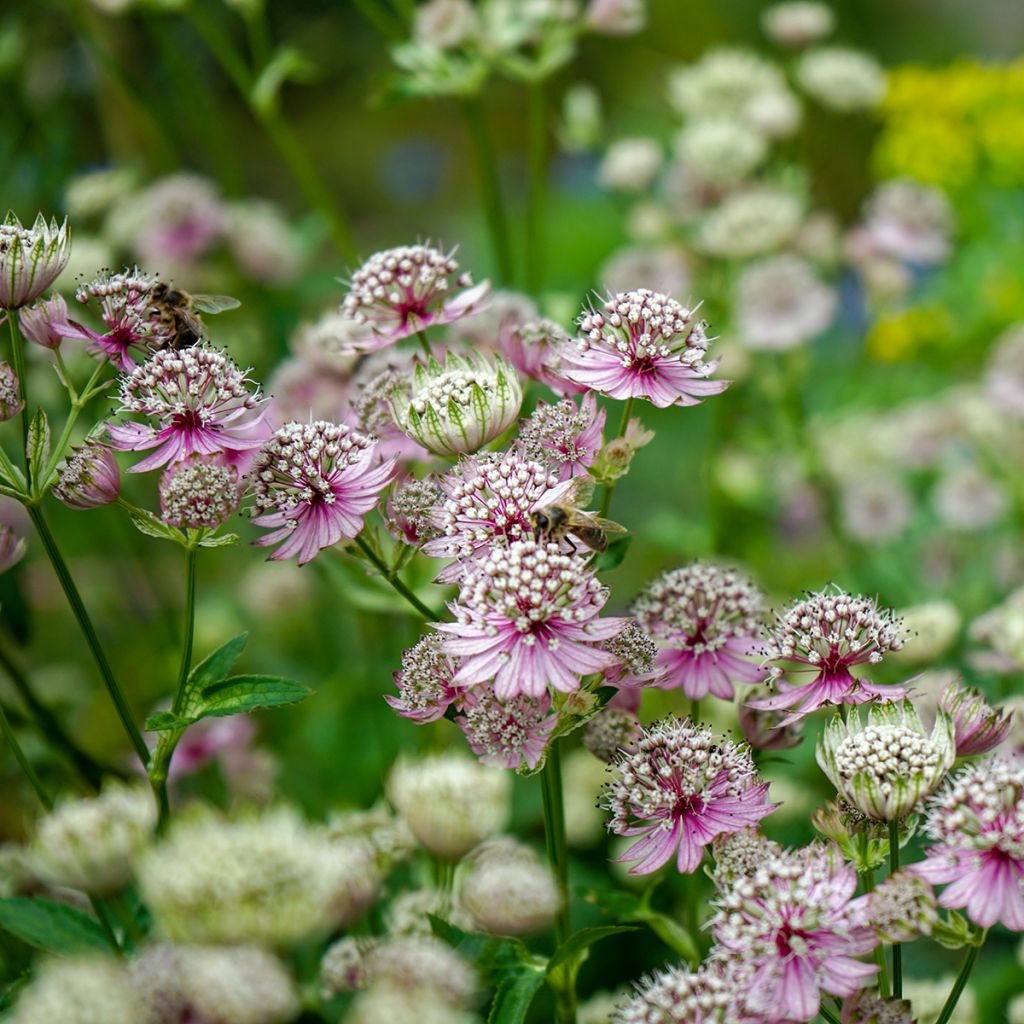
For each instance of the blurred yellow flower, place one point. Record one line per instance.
(900, 336)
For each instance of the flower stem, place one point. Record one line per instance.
(190, 627)
(421, 336)
(897, 950)
(558, 857)
(78, 403)
(18, 359)
(394, 580)
(609, 488)
(536, 141)
(60, 568)
(828, 1015)
(867, 879)
(490, 188)
(959, 985)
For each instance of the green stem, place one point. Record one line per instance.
(828, 1015)
(393, 579)
(536, 141)
(490, 188)
(897, 950)
(74, 599)
(867, 879)
(609, 488)
(190, 626)
(18, 359)
(23, 761)
(558, 858)
(959, 985)
(421, 337)
(78, 403)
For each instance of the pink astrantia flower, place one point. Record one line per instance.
(401, 291)
(134, 328)
(978, 727)
(680, 789)
(643, 344)
(45, 323)
(636, 654)
(795, 924)
(425, 690)
(313, 483)
(527, 618)
(506, 734)
(202, 403)
(534, 349)
(977, 823)
(705, 621)
(829, 634)
(564, 437)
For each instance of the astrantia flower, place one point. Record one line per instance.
(313, 483)
(642, 344)
(199, 492)
(978, 728)
(841, 79)
(798, 22)
(740, 855)
(677, 995)
(977, 824)
(721, 149)
(829, 634)
(527, 618)
(11, 402)
(456, 407)
(534, 349)
(902, 908)
(753, 222)
(400, 291)
(610, 731)
(201, 402)
(46, 322)
(421, 966)
(1004, 372)
(636, 653)
(79, 990)
(12, 548)
(885, 766)
(723, 81)
(796, 925)
(411, 507)
(681, 788)
(506, 733)
(909, 221)
(31, 259)
(704, 620)
(424, 682)
(630, 165)
(868, 1007)
(90, 478)
(564, 437)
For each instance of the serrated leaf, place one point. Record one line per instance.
(147, 523)
(212, 669)
(165, 721)
(222, 541)
(514, 995)
(37, 446)
(614, 554)
(573, 950)
(241, 694)
(50, 926)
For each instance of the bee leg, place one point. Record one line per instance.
(572, 546)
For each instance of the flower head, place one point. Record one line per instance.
(424, 682)
(636, 653)
(201, 402)
(829, 633)
(11, 402)
(410, 510)
(908, 221)
(527, 618)
(642, 344)
(46, 322)
(704, 620)
(563, 436)
(79, 990)
(796, 23)
(739, 855)
(886, 765)
(795, 924)
(721, 149)
(456, 407)
(681, 788)
(89, 478)
(677, 995)
(978, 727)
(198, 492)
(631, 164)
(400, 291)
(509, 733)
(902, 908)
(312, 484)
(841, 79)
(868, 1007)
(534, 348)
(752, 222)
(31, 259)
(610, 731)
(977, 824)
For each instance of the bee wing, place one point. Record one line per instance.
(608, 527)
(580, 491)
(214, 303)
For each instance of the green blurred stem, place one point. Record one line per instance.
(490, 188)
(897, 950)
(395, 581)
(79, 400)
(828, 1015)
(867, 879)
(558, 857)
(421, 337)
(382, 19)
(18, 359)
(609, 488)
(60, 568)
(537, 162)
(959, 985)
(190, 628)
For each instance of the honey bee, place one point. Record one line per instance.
(564, 518)
(177, 310)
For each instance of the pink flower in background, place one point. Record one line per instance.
(978, 727)
(527, 618)
(12, 548)
(425, 690)
(207, 740)
(563, 436)
(400, 291)
(705, 621)
(643, 344)
(828, 634)
(313, 483)
(202, 404)
(45, 323)
(797, 927)
(534, 349)
(680, 789)
(977, 824)
(506, 734)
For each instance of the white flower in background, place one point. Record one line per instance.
(720, 149)
(583, 778)
(662, 268)
(875, 505)
(444, 24)
(423, 967)
(798, 22)
(931, 629)
(93, 193)
(1004, 372)
(723, 82)
(262, 240)
(649, 222)
(753, 222)
(781, 303)
(1001, 629)
(910, 222)
(79, 990)
(616, 17)
(818, 238)
(840, 79)
(928, 996)
(331, 343)
(965, 498)
(582, 120)
(776, 113)
(630, 165)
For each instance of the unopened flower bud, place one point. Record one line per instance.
(902, 908)
(611, 731)
(46, 322)
(978, 728)
(614, 459)
(12, 548)
(90, 478)
(343, 966)
(31, 259)
(11, 402)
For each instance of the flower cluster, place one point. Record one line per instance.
(563, 436)
(506, 733)
(198, 493)
(89, 478)
(676, 995)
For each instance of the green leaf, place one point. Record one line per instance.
(287, 64)
(241, 694)
(514, 995)
(165, 721)
(573, 951)
(37, 446)
(222, 541)
(147, 523)
(614, 555)
(212, 669)
(50, 926)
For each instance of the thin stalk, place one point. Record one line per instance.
(959, 985)
(897, 949)
(393, 579)
(421, 337)
(64, 577)
(490, 188)
(609, 488)
(190, 627)
(537, 178)
(18, 359)
(828, 1015)
(558, 858)
(78, 403)
(867, 879)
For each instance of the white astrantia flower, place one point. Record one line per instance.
(885, 765)
(456, 407)
(721, 149)
(630, 164)
(841, 79)
(31, 259)
(797, 23)
(92, 989)
(751, 222)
